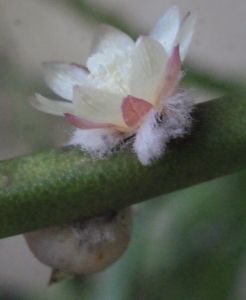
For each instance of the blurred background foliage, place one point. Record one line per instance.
(189, 244)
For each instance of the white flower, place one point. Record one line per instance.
(126, 89)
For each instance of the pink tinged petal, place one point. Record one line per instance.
(185, 34)
(166, 28)
(98, 105)
(134, 109)
(108, 36)
(149, 59)
(84, 124)
(62, 77)
(50, 106)
(171, 77)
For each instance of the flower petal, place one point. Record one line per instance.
(62, 77)
(185, 34)
(50, 106)
(84, 124)
(166, 28)
(108, 36)
(149, 59)
(97, 105)
(134, 109)
(172, 75)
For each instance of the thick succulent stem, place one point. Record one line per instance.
(65, 184)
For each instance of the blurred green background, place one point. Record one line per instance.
(189, 244)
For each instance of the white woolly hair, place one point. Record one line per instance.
(98, 142)
(171, 119)
(150, 139)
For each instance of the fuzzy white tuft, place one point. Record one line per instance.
(150, 139)
(158, 127)
(97, 142)
(176, 111)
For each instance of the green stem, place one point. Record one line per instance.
(64, 184)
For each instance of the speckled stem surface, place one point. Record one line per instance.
(65, 184)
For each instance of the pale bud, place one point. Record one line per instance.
(85, 246)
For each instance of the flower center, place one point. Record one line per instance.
(110, 70)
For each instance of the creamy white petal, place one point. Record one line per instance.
(50, 106)
(185, 35)
(98, 105)
(62, 77)
(108, 36)
(166, 28)
(149, 59)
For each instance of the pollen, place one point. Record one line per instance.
(110, 70)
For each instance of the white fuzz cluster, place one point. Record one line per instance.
(99, 144)
(85, 246)
(157, 129)
(128, 90)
